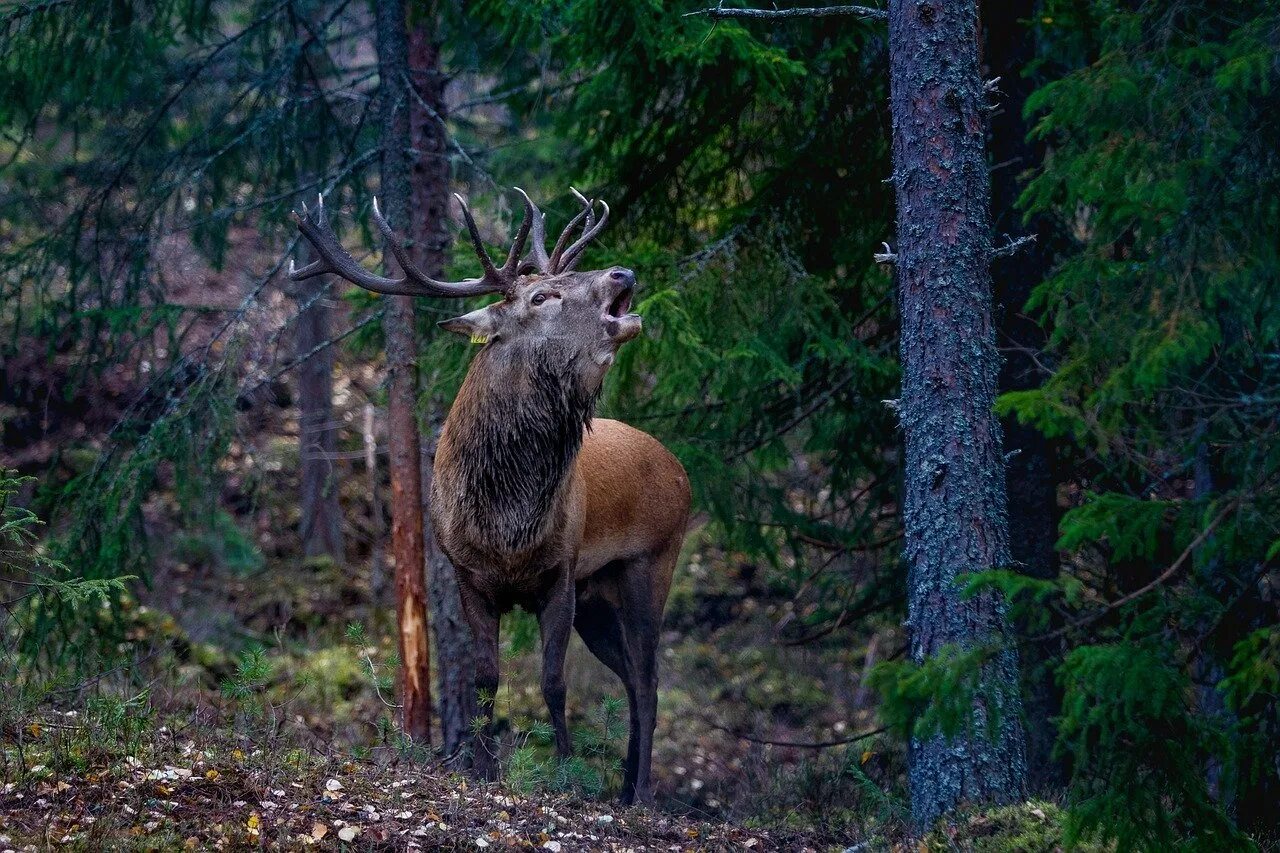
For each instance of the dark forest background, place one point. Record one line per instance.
(196, 433)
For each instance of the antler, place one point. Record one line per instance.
(335, 259)
(561, 259)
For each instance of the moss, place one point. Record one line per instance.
(333, 678)
(1031, 827)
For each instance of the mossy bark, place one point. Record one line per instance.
(954, 509)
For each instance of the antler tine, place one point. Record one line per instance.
(589, 232)
(397, 247)
(538, 227)
(531, 213)
(490, 271)
(563, 240)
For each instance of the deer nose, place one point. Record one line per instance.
(625, 276)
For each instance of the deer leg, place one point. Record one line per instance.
(483, 617)
(644, 586)
(555, 619)
(600, 625)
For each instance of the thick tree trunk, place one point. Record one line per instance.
(320, 520)
(1031, 485)
(402, 426)
(431, 239)
(954, 501)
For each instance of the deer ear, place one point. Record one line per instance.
(479, 325)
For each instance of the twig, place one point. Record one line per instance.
(886, 257)
(823, 744)
(1164, 576)
(720, 13)
(1013, 246)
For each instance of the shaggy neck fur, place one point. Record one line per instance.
(517, 427)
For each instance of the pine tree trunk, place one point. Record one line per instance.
(455, 665)
(1031, 485)
(402, 426)
(320, 517)
(954, 483)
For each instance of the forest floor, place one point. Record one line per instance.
(102, 781)
(187, 797)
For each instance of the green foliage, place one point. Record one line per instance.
(253, 672)
(594, 766)
(1124, 719)
(1036, 826)
(939, 695)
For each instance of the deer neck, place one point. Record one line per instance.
(514, 433)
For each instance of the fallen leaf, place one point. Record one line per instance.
(319, 830)
(211, 775)
(348, 833)
(333, 785)
(553, 846)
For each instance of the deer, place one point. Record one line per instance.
(537, 503)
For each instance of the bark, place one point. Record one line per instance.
(455, 664)
(455, 656)
(402, 427)
(954, 484)
(1031, 484)
(320, 522)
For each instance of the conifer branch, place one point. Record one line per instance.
(720, 13)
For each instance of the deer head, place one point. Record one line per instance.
(546, 304)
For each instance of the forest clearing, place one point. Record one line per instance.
(575, 425)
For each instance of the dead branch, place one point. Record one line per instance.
(720, 13)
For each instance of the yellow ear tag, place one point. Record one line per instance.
(479, 339)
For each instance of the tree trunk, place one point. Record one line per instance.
(402, 426)
(1031, 485)
(320, 522)
(954, 484)
(431, 240)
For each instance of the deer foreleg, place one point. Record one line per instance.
(483, 617)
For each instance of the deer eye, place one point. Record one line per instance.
(539, 298)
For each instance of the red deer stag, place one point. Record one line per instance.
(578, 520)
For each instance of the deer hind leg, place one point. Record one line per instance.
(555, 620)
(620, 618)
(598, 620)
(483, 617)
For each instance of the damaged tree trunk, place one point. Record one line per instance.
(402, 424)
(954, 483)
(431, 238)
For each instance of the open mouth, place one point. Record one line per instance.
(621, 303)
